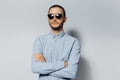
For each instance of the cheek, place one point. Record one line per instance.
(61, 22)
(50, 21)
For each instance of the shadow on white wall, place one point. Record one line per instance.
(84, 70)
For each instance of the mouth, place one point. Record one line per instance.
(54, 23)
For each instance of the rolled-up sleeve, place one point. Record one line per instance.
(71, 70)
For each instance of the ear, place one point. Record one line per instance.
(65, 19)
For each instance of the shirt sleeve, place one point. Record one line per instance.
(71, 70)
(43, 67)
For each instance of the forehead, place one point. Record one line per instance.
(55, 10)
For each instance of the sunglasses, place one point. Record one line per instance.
(58, 16)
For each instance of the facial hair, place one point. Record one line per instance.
(57, 28)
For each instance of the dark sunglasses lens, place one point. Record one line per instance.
(50, 16)
(59, 16)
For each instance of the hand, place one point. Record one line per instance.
(39, 57)
(66, 64)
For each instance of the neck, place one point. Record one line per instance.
(56, 31)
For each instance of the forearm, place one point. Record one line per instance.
(68, 72)
(46, 67)
(73, 61)
(39, 64)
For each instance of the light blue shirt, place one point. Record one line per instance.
(56, 49)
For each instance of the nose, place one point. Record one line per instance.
(54, 18)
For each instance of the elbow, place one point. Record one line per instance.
(36, 69)
(72, 75)
(33, 69)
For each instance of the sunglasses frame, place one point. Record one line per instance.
(57, 16)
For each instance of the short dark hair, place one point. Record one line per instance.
(59, 7)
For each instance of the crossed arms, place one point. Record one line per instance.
(60, 69)
(40, 58)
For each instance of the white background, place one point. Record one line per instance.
(96, 22)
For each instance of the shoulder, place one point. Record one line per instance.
(41, 38)
(72, 42)
(71, 38)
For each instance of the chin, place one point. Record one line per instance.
(55, 26)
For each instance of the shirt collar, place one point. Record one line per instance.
(59, 35)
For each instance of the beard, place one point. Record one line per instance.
(58, 28)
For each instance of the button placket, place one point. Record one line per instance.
(54, 48)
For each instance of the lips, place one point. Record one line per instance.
(54, 23)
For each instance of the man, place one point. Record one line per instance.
(56, 55)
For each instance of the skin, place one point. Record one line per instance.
(56, 27)
(39, 57)
(55, 23)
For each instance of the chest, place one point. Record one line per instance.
(57, 49)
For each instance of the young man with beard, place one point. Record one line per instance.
(56, 55)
